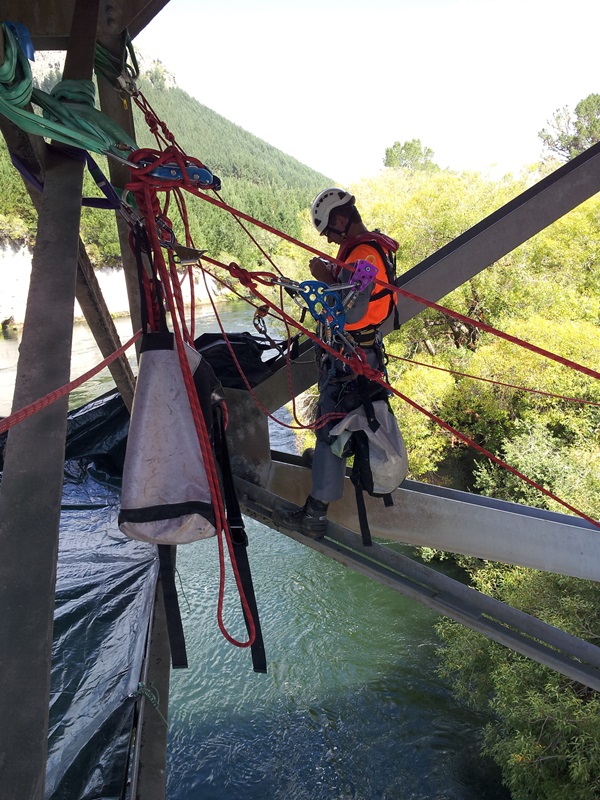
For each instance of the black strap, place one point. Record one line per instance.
(172, 612)
(141, 245)
(365, 336)
(240, 543)
(363, 392)
(362, 516)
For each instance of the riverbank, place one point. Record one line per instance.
(15, 273)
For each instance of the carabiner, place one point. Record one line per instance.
(162, 227)
(259, 319)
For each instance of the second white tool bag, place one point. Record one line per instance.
(379, 450)
(370, 433)
(166, 497)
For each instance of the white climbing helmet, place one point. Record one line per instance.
(324, 203)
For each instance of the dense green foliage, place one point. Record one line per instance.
(546, 734)
(571, 134)
(410, 155)
(545, 292)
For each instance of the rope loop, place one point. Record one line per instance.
(241, 274)
(115, 69)
(75, 91)
(15, 72)
(151, 122)
(266, 278)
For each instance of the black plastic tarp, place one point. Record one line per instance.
(247, 350)
(104, 598)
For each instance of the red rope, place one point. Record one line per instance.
(376, 376)
(146, 199)
(356, 363)
(489, 329)
(494, 458)
(318, 423)
(265, 278)
(299, 425)
(144, 188)
(157, 127)
(52, 397)
(361, 367)
(174, 152)
(495, 382)
(253, 239)
(392, 287)
(236, 212)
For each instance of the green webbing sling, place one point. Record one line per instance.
(69, 113)
(115, 69)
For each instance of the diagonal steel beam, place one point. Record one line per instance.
(456, 522)
(569, 655)
(501, 232)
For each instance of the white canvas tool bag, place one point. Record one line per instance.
(383, 462)
(166, 497)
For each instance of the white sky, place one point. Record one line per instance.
(474, 81)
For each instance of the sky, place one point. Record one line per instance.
(334, 83)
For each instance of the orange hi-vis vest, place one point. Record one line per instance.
(370, 247)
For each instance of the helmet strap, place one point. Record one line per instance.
(344, 233)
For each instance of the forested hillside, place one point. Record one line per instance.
(256, 178)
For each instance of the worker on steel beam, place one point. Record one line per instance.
(335, 216)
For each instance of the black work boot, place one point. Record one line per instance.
(310, 520)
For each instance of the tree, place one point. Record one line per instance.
(570, 135)
(410, 155)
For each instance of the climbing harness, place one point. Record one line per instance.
(383, 300)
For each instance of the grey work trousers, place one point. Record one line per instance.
(335, 395)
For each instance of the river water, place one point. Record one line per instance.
(351, 707)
